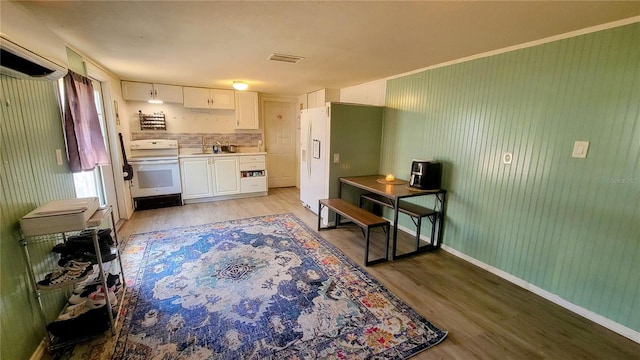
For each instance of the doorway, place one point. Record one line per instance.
(280, 140)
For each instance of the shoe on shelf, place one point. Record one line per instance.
(90, 323)
(74, 271)
(95, 300)
(81, 293)
(99, 296)
(113, 281)
(107, 255)
(72, 247)
(84, 242)
(82, 296)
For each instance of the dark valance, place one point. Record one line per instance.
(85, 143)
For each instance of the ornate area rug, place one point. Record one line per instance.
(261, 288)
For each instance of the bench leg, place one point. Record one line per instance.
(320, 207)
(319, 216)
(367, 242)
(386, 244)
(434, 241)
(366, 247)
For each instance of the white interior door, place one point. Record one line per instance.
(280, 117)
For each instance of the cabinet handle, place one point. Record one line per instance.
(155, 93)
(151, 93)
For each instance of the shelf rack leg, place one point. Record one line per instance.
(36, 292)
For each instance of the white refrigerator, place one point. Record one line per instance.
(337, 140)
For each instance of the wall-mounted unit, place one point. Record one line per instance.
(28, 49)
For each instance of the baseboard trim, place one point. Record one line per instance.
(588, 314)
(40, 352)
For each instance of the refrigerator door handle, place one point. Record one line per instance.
(309, 150)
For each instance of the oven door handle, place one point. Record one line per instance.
(153, 162)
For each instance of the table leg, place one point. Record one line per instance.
(396, 208)
(440, 217)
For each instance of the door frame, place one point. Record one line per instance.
(124, 203)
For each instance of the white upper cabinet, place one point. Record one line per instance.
(138, 91)
(320, 97)
(202, 98)
(247, 110)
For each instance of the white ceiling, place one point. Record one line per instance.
(212, 43)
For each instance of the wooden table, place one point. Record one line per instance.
(395, 193)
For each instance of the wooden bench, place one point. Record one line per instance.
(364, 219)
(416, 212)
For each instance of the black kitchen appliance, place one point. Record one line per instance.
(425, 174)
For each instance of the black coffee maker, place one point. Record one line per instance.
(425, 174)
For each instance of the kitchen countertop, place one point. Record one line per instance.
(197, 152)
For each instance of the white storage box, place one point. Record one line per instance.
(59, 216)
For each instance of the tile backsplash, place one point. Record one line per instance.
(194, 140)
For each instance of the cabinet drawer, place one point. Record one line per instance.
(252, 166)
(256, 184)
(252, 158)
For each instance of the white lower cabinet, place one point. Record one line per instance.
(253, 173)
(196, 176)
(226, 175)
(211, 176)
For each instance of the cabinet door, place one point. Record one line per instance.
(196, 178)
(312, 100)
(196, 98)
(227, 176)
(320, 97)
(168, 93)
(222, 99)
(137, 91)
(247, 110)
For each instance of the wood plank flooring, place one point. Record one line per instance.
(486, 316)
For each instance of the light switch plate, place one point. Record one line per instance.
(580, 149)
(59, 156)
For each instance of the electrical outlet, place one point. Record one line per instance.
(507, 157)
(580, 149)
(336, 158)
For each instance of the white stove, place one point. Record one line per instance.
(156, 172)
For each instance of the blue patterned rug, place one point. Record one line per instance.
(261, 288)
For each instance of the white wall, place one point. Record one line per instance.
(182, 120)
(371, 93)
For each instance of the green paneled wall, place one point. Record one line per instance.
(569, 226)
(31, 131)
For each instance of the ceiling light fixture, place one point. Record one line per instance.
(240, 85)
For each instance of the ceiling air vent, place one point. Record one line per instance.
(286, 58)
